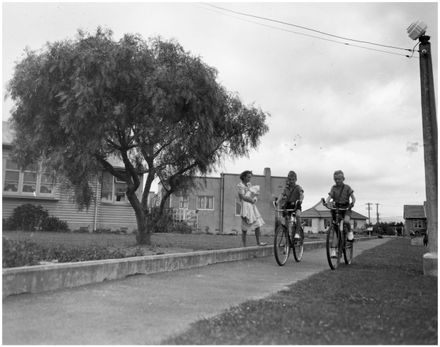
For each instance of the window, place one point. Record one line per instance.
(205, 202)
(237, 207)
(47, 183)
(183, 202)
(120, 189)
(11, 177)
(307, 222)
(418, 224)
(113, 190)
(31, 181)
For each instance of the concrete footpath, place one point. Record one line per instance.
(145, 309)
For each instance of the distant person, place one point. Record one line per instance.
(250, 216)
(340, 195)
(291, 198)
(425, 240)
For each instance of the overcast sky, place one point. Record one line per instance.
(332, 105)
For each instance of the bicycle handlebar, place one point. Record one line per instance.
(275, 206)
(334, 208)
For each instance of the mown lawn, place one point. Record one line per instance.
(34, 248)
(161, 240)
(382, 298)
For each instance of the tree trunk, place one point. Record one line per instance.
(143, 236)
(163, 201)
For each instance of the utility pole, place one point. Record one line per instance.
(377, 213)
(369, 208)
(430, 145)
(429, 120)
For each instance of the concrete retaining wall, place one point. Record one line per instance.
(41, 278)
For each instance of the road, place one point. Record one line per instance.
(145, 309)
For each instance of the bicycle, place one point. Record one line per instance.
(337, 239)
(284, 222)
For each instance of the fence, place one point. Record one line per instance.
(186, 215)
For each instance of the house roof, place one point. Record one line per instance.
(320, 211)
(8, 135)
(414, 212)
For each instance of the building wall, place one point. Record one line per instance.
(61, 206)
(270, 187)
(412, 225)
(208, 219)
(223, 217)
(100, 215)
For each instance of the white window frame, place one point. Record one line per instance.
(20, 184)
(184, 202)
(113, 199)
(204, 198)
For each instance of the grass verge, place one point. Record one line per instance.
(382, 298)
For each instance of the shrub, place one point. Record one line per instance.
(182, 228)
(160, 223)
(7, 224)
(20, 253)
(27, 217)
(25, 253)
(52, 223)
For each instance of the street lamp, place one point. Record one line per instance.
(416, 31)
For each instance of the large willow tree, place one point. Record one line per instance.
(81, 102)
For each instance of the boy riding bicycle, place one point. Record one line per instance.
(292, 198)
(340, 195)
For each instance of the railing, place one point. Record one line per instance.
(185, 215)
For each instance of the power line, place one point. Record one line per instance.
(317, 31)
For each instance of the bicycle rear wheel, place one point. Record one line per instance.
(332, 244)
(348, 252)
(298, 247)
(281, 246)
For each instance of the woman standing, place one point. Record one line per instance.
(250, 216)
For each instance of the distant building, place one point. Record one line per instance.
(415, 219)
(318, 219)
(216, 206)
(215, 203)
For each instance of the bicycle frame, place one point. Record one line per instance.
(338, 227)
(289, 213)
(285, 223)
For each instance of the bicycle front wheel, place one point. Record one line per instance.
(332, 247)
(298, 247)
(281, 246)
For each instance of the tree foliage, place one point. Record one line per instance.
(155, 107)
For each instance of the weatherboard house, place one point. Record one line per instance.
(110, 208)
(415, 219)
(318, 218)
